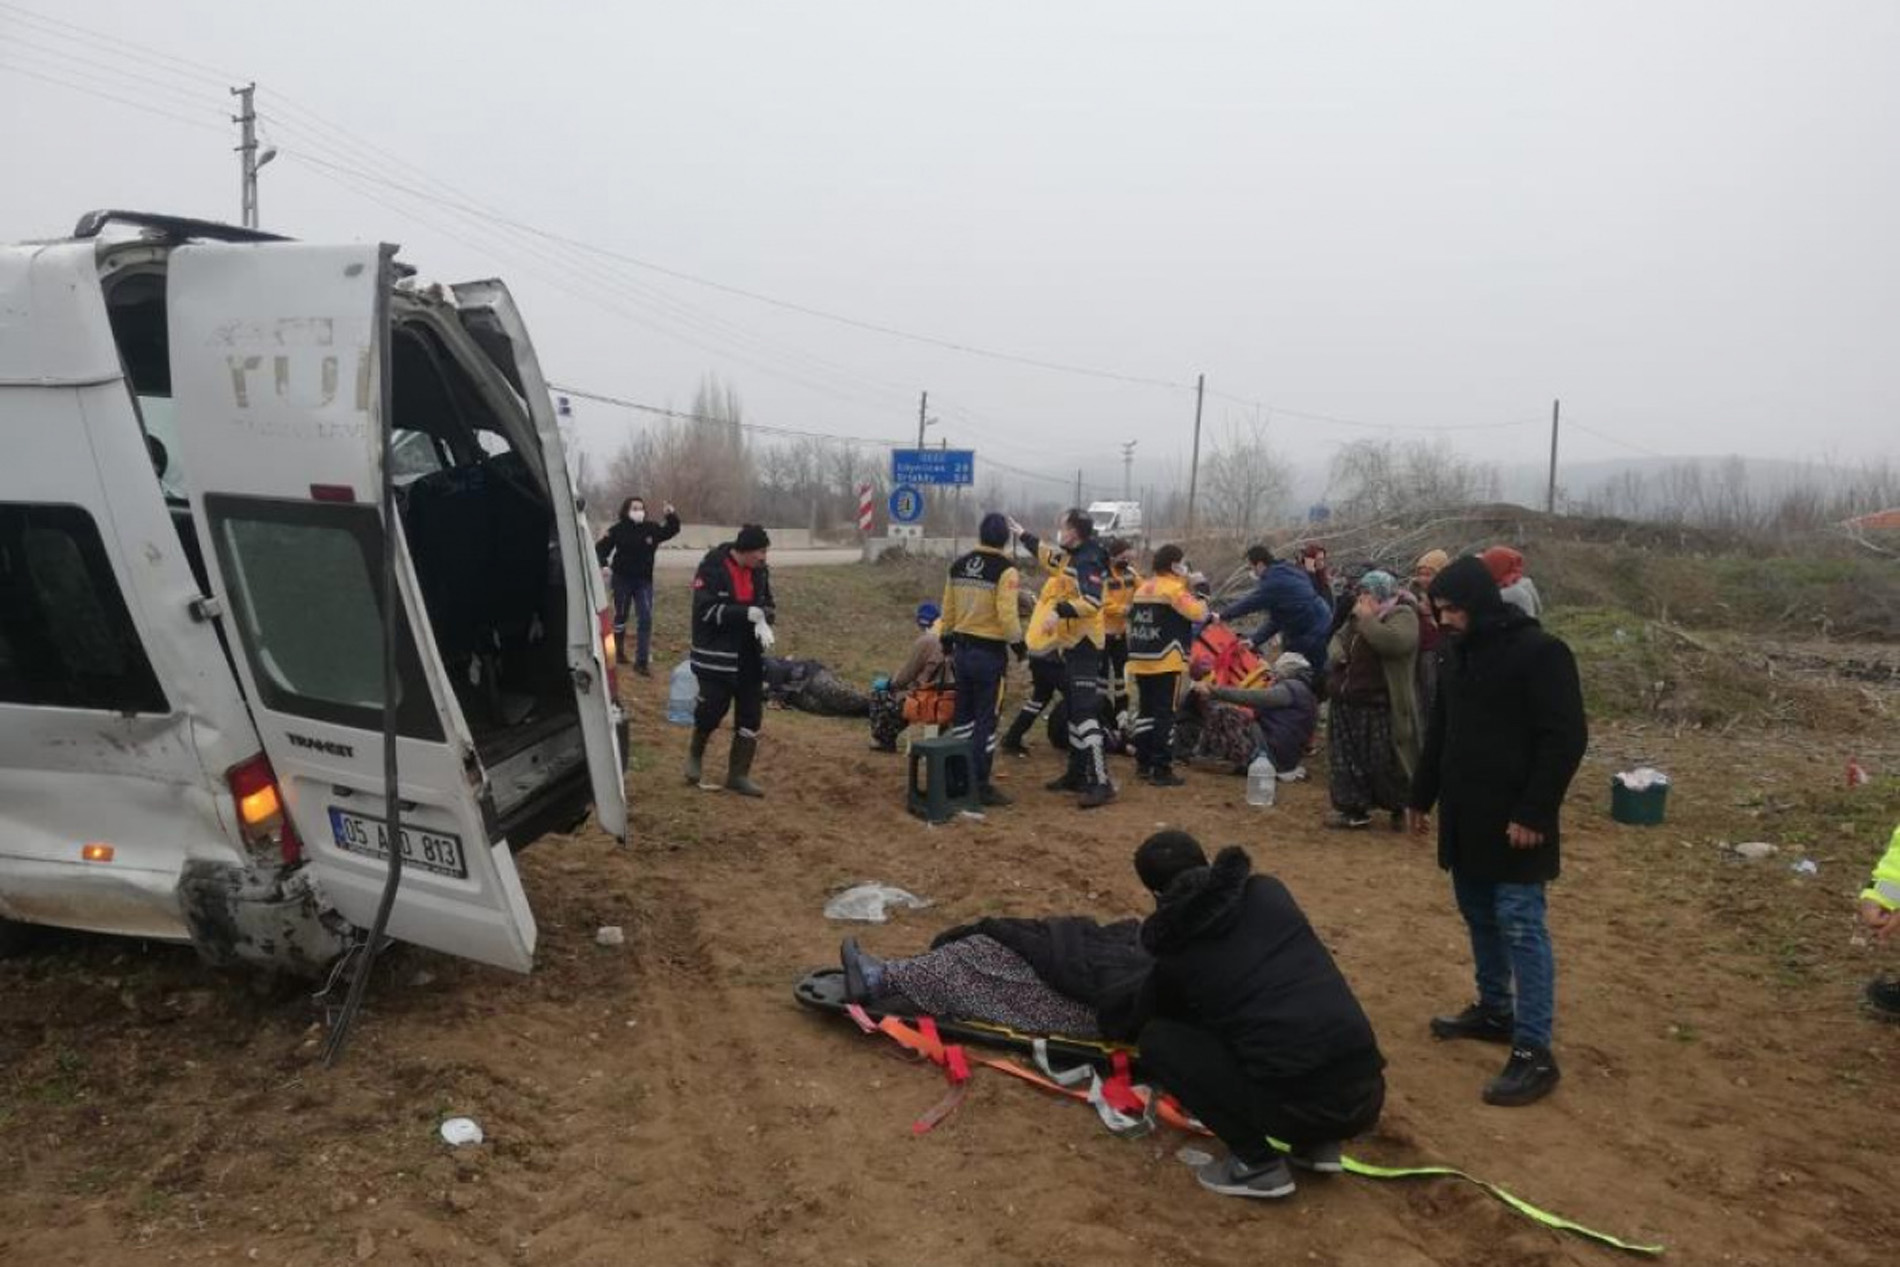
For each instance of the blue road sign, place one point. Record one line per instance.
(933, 466)
(907, 504)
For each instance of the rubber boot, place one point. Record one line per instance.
(696, 757)
(739, 768)
(620, 645)
(1012, 742)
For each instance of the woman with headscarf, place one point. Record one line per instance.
(1507, 569)
(1313, 559)
(1374, 730)
(1430, 639)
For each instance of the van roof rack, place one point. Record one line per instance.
(175, 227)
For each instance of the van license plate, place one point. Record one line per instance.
(429, 850)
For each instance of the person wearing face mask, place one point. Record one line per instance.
(1118, 591)
(1161, 621)
(733, 613)
(981, 625)
(627, 551)
(1069, 617)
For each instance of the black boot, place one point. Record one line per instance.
(696, 757)
(1012, 741)
(1529, 1076)
(739, 769)
(1096, 795)
(990, 796)
(1882, 999)
(1476, 1021)
(620, 646)
(863, 974)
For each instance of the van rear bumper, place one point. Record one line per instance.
(271, 919)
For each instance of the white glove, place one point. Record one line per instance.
(765, 634)
(1015, 529)
(756, 615)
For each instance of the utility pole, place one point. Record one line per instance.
(1194, 464)
(1550, 494)
(923, 407)
(1128, 470)
(1078, 487)
(247, 153)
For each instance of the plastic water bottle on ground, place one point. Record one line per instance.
(682, 695)
(1261, 781)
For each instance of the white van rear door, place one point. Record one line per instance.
(278, 359)
(489, 313)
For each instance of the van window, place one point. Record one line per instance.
(305, 580)
(66, 636)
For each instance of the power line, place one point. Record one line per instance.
(93, 38)
(1571, 421)
(796, 433)
(116, 76)
(106, 96)
(1370, 426)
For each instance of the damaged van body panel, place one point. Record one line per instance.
(190, 541)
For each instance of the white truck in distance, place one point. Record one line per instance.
(1116, 519)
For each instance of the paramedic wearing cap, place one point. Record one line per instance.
(1073, 624)
(981, 623)
(732, 631)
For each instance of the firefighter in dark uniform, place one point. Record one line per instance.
(981, 625)
(732, 630)
(1073, 622)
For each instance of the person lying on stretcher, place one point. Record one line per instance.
(1237, 1007)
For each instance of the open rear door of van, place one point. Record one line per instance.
(489, 314)
(278, 378)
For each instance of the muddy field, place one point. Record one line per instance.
(665, 1101)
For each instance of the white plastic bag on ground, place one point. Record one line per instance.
(871, 903)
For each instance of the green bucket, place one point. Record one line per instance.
(1638, 809)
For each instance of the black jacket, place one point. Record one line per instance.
(1098, 965)
(1505, 736)
(722, 632)
(629, 547)
(1235, 956)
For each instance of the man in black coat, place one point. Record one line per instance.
(733, 613)
(1247, 1021)
(628, 548)
(1504, 739)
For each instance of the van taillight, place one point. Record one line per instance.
(260, 806)
(610, 650)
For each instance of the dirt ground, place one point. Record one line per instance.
(666, 1101)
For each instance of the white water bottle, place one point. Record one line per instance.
(1261, 781)
(682, 694)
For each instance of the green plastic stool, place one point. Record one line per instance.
(948, 785)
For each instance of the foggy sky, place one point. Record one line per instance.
(1679, 217)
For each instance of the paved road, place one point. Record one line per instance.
(779, 558)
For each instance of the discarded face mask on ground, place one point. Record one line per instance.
(871, 903)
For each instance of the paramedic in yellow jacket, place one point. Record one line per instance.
(981, 624)
(1070, 618)
(1118, 593)
(1161, 625)
(1046, 678)
(1880, 912)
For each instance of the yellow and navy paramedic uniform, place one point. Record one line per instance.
(1118, 595)
(1074, 597)
(1046, 675)
(981, 623)
(1161, 623)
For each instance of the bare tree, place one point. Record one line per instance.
(1247, 483)
(1379, 478)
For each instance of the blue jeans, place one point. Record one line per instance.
(640, 595)
(1510, 944)
(980, 668)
